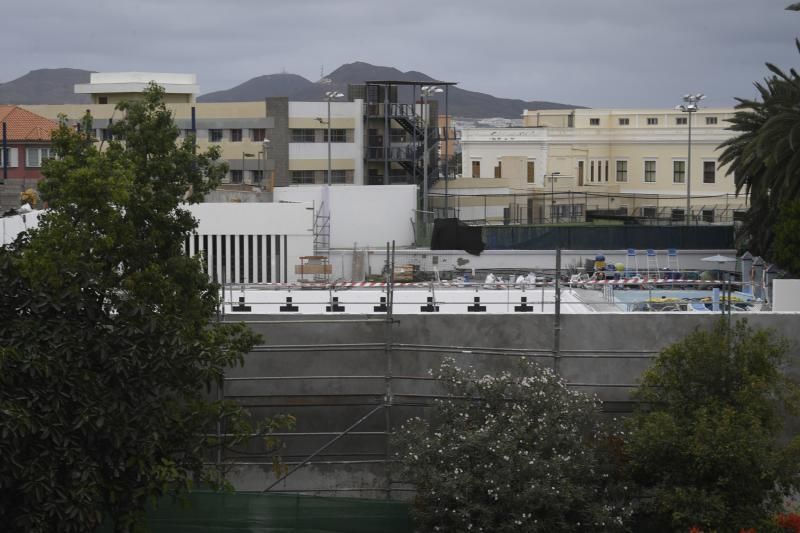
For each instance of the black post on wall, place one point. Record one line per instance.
(5, 154)
(194, 130)
(446, 151)
(557, 315)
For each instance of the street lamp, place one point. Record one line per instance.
(426, 91)
(329, 96)
(264, 146)
(553, 177)
(689, 107)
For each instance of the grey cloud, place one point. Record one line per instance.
(610, 53)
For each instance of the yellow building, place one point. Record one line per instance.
(564, 164)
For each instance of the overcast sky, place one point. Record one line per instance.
(599, 53)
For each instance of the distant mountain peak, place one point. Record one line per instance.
(56, 86)
(46, 86)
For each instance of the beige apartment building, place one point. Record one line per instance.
(565, 164)
(266, 143)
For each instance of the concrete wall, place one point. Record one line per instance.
(331, 371)
(786, 295)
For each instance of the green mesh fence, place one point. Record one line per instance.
(278, 513)
(598, 237)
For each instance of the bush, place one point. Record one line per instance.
(511, 452)
(704, 444)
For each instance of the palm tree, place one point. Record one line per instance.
(765, 156)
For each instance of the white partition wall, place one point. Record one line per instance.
(366, 215)
(252, 242)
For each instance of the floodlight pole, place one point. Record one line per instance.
(689, 107)
(553, 177)
(426, 91)
(330, 95)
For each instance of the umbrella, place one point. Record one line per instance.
(719, 259)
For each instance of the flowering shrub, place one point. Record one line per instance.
(513, 452)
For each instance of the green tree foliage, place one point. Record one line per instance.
(515, 452)
(787, 238)
(764, 156)
(704, 445)
(108, 348)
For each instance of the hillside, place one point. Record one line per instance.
(461, 102)
(56, 86)
(45, 86)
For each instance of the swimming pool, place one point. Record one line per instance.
(623, 299)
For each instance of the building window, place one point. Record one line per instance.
(606, 169)
(102, 99)
(678, 215)
(594, 121)
(624, 121)
(256, 176)
(622, 171)
(35, 156)
(236, 136)
(215, 136)
(258, 134)
(652, 121)
(679, 172)
(302, 177)
(476, 169)
(398, 135)
(649, 211)
(739, 215)
(680, 121)
(13, 157)
(303, 136)
(591, 170)
(340, 136)
(710, 121)
(531, 174)
(580, 172)
(236, 176)
(337, 176)
(498, 170)
(707, 215)
(649, 171)
(106, 134)
(709, 171)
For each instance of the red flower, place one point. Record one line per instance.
(790, 522)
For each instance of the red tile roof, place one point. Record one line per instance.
(22, 125)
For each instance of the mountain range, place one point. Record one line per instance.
(56, 86)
